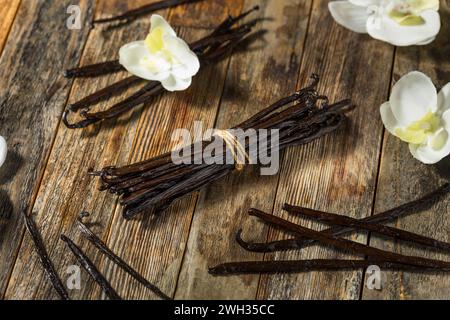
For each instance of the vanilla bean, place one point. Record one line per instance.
(105, 93)
(154, 183)
(47, 264)
(100, 245)
(349, 246)
(299, 266)
(144, 10)
(141, 96)
(414, 207)
(344, 221)
(220, 39)
(164, 199)
(95, 70)
(231, 21)
(91, 269)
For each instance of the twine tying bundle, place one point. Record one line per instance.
(238, 151)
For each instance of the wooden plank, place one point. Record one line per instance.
(33, 93)
(256, 79)
(75, 151)
(403, 179)
(155, 246)
(205, 13)
(336, 173)
(8, 10)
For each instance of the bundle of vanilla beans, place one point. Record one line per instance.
(210, 49)
(156, 183)
(332, 237)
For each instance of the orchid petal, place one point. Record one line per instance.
(386, 29)
(365, 3)
(188, 63)
(159, 30)
(437, 148)
(176, 84)
(136, 58)
(443, 100)
(446, 120)
(412, 98)
(350, 16)
(3, 150)
(421, 5)
(422, 157)
(158, 22)
(388, 118)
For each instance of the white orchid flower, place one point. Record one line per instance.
(162, 56)
(399, 22)
(3, 150)
(418, 115)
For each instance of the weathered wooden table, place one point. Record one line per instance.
(359, 171)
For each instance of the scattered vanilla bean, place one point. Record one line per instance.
(298, 266)
(105, 93)
(141, 96)
(350, 246)
(210, 49)
(144, 10)
(100, 245)
(47, 264)
(92, 270)
(94, 70)
(348, 222)
(421, 204)
(157, 182)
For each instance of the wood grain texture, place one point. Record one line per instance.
(338, 172)
(403, 179)
(155, 246)
(205, 13)
(222, 208)
(33, 94)
(8, 10)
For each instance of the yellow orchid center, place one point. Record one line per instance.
(155, 44)
(419, 131)
(154, 40)
(407, 12)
